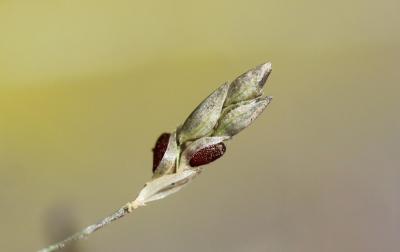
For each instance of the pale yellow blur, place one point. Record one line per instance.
(87, 86)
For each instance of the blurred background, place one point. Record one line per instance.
(87, 86)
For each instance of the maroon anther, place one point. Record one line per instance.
(207, 155)
(159, 149)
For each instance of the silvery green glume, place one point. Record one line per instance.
(248, 85)
(203, 119)
(241, 116)
(224, 113)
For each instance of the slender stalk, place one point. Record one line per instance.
(84, 233)
(199, 141)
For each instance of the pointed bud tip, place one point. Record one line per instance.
(265, 101)
(249, 85)
(266, 67)
(265, 70)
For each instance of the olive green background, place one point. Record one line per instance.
(87, 86)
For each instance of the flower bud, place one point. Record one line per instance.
(248, 85)
(203, 119)
(240, 116)
(165, 153)
(202, 151)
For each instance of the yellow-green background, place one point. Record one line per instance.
(87, 86)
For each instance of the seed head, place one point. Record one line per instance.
(180, 156)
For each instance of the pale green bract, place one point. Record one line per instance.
(203, 119)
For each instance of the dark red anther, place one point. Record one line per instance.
(159, 149)
(207, 155)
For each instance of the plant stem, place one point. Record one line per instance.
(84, 233)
